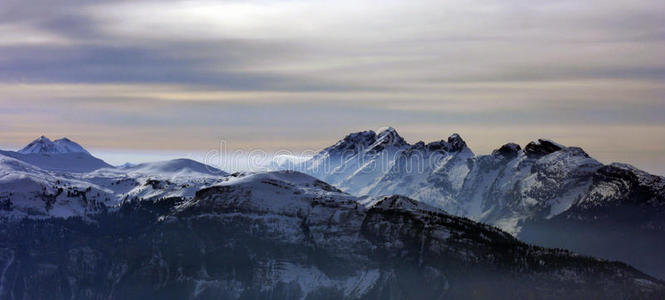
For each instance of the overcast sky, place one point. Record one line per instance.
(182, 76)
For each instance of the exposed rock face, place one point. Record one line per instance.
(510, 150)
(286, 235)
(456, 143)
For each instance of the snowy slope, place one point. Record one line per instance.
(374, 162)
(545, 185)
(287, 235)
(367, 163)
(432, 173)
(61, 179)
(357, 160)
(512, 185)
(176, 168)
(162, 179)
(78, 162)
(28, 190)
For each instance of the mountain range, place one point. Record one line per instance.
(545, 193)
(181, 229)
(62, 179)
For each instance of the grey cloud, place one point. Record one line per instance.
(514, 41)
(421, 51)
(159, 64)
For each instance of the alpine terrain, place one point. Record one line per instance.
(183, 230)
(545, 193)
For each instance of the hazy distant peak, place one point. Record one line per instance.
(44, 145)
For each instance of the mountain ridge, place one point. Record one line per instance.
(543, 157)
(517, 189)
(416, 240)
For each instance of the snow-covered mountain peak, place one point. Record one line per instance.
(44, 145)
(368, 140)
(456, 142)
(354, 142)
(61, 155)
(66, 145)
(388, 137)
(386, 129)
(508, 150)
(542, 147)
(40, 145)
